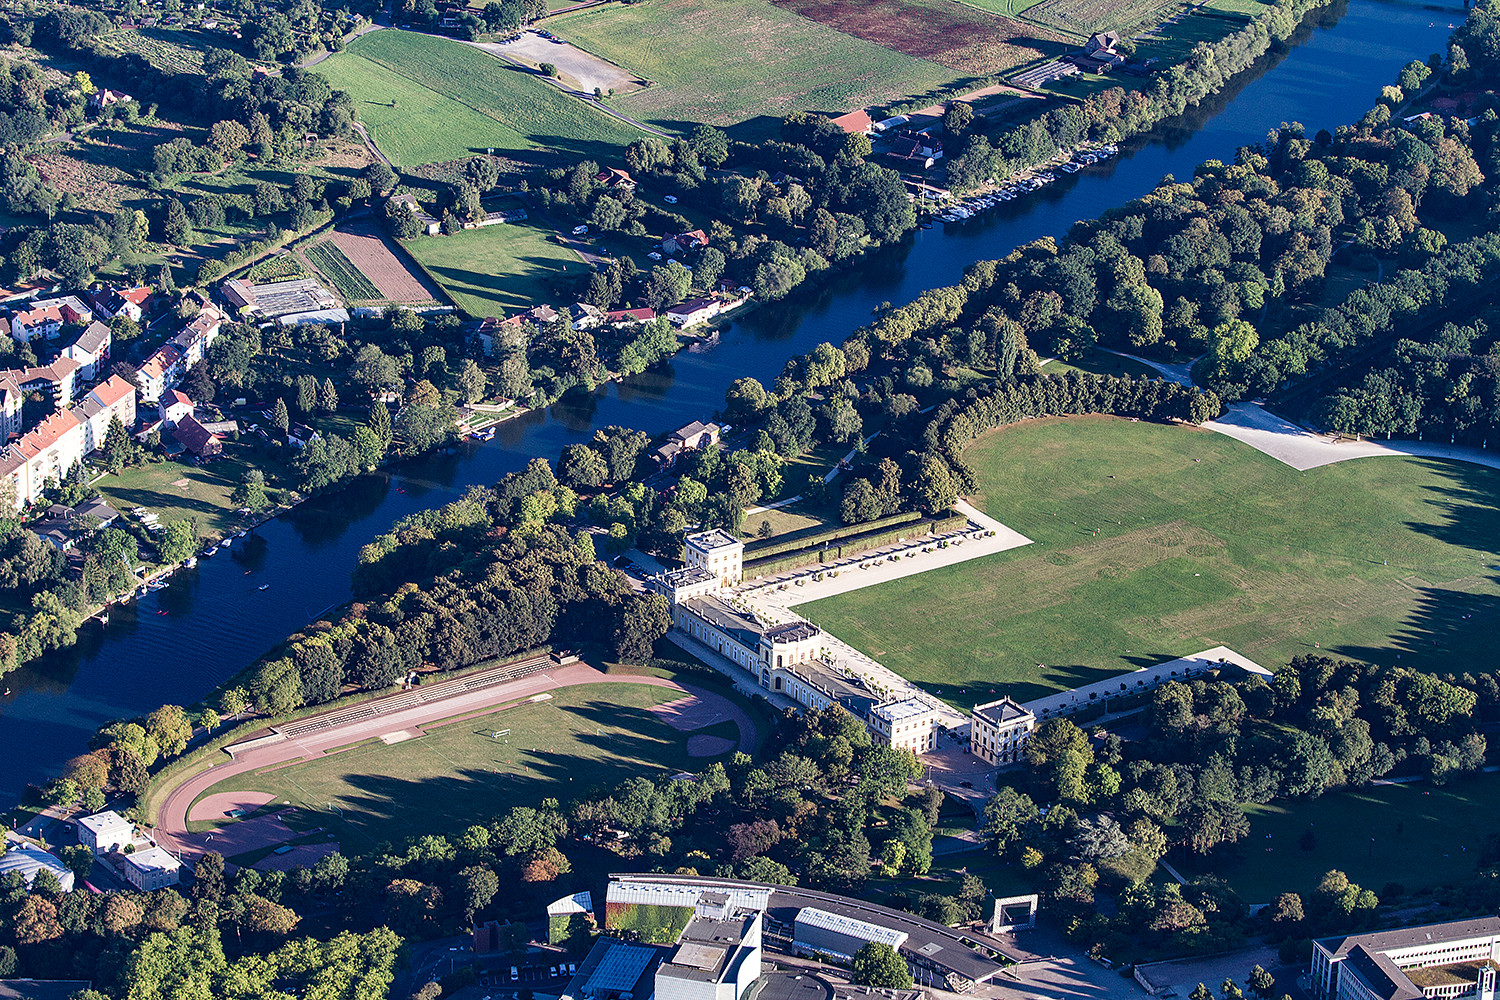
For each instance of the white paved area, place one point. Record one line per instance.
(1303, 449)
(586, 68)
(1144, 679)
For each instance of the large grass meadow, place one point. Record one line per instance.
(1154, 541)
(497, 270)
(430, 100)
(735, 60)
(584, 740)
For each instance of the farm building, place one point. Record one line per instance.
(614, 178)
(855, 123)
(429, 224)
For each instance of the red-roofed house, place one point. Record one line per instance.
(45, 317)
(56, 378)
(160, 372)
(197, 439)
(629, 317)
(855, 123)
(694, 311)
(685, 241)
(129, 302)
(613, 177)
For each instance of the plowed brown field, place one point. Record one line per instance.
(382, 264)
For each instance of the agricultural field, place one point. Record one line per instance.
(582, 740)
(1082, 18)
(173, 49)
(965, 40)
(498, 270)
(346, 279)
(383, 266)
(1153, 542)
(724, 63)
(429, 100)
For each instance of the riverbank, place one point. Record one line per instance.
(218, 623)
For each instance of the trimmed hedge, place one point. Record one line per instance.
(855, 544)
(798, 541)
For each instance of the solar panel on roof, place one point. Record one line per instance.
(620, 968)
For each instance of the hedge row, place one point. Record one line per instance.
(859, 543)
(798, 541)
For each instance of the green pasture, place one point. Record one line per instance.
(583, 741)
(1153, 542)
(1411, 834)
(177, 491)
(730, 61)
(498, 270)
(428, 99)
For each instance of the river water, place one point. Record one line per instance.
(177, 644)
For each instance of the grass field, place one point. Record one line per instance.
(430, 99)
(347, 279)
(735, 60)
(1389, 833)
(1153, 542)
(584, 739)
(497, 270)
(178, 491)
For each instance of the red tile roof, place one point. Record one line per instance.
(854, 121)
(112, 390)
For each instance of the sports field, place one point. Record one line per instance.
(429, 99)
(1388, 833)
(498, 270)
(1156, 541)
(585, 738)
(734, 60)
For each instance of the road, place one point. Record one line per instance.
(172, 824)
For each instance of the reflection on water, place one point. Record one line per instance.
(176, 644)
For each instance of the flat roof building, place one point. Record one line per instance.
(911, 724)
(615, 970)
(718, 955)
(151, 869)
(718, 553)
(1434, 961)
(104, 832)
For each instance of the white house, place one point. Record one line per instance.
(105, 832)
(45, 318)
(151, 869)
(90, 350)
(172, 407)
(694, 311)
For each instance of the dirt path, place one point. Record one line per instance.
(172, 830)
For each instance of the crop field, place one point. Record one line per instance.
(1084, 17)
(735, 60)
(176, 50)
(430, 100)
(1153, 542)
(498, 270)
(344, 276)
(949, 34)
(583, 739)
(382, 264)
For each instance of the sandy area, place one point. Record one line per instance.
(704, 745)
(218, 805)
(300, 856)
(688, 714)
(586, 70)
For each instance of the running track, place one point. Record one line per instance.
(172, 832)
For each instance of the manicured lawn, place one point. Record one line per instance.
(175, 490)
(1102, 363)
(1408, 834)
(584, 740)
(734, 60)
(1156, 541)
(431, 99)
(799, 516)
(497, 270)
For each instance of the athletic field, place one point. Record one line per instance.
(583, 740)
(1153, 542)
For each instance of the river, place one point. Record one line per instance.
(177, 644)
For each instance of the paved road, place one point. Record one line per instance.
(172, 829)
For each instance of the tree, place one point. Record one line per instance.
(117, 445)
(581, 466)
(281, 418)
(121, 913)
(251, 491)
(1261, 983)
(170, 727)
(374, 370)
(208, 876)
(80, 861)
(227, 137)
(958, 117)
(643, 620)
(328, 397)
(471, 382)
(478, 886)
(36, 921)
(1006, 817)
(877, 964)
(178, 541)
(265, 917)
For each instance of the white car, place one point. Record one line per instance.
(580, 230)
(654, 255)
(670, 199)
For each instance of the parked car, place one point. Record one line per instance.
(654, 255)
(670, 199)
(580, 230)
(515, 974)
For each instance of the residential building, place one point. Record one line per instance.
(692, 240)
(91, 350)
(105, 832)
(160, 372)
(718, 954)
(542, 315)
(1434, 961)
(128, 302)
(151, 869)
(62, 525)
(615, 178)
(629, 317)
(855, 123)
(45, 317)
(173, 407)
(198, 334)
(585, 316)
(694, 311)
(716, 552)
(106, 98)
(911, 724)
(57, 380)
(693, 437)
(12, 401)
(999, 731)
(52, 448)
(197, 439)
